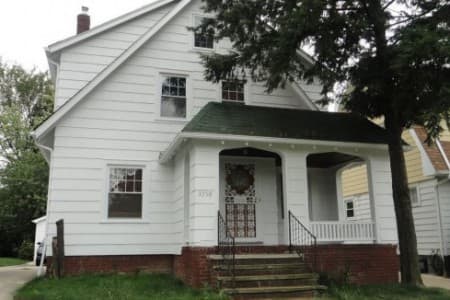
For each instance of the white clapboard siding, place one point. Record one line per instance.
(119, 124)
(82, 62)
(426, 219)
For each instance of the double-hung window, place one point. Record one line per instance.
(125, 192)
(233, 91)
(173, 97)
(349, 209)
(202, 40)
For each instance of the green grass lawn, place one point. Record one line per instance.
(388, 292)
(111, 287)
(165, 287)
(11, 261)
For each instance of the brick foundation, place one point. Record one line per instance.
(74, 265)
(365, 264)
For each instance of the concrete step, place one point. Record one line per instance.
(275, 291)
(269, 277)
(256, 256)
(271, 280)
(263, 269)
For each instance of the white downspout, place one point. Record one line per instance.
(44, 249)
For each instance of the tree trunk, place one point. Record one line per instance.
(409, 259)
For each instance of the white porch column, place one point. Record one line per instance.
(382, 205)
(204, 204)
(295, 188)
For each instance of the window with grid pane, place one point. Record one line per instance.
(202, 40)
(233, 91)
(125, 193)
(349, 209)
(173, 97)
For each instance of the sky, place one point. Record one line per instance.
(27, 26)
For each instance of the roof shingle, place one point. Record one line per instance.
(238, 119)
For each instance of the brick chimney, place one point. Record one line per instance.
(83, 20)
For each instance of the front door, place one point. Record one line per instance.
(239, 198)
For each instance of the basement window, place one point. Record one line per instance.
(125, 193)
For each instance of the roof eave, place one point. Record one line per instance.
(58, 46)
(171, 150)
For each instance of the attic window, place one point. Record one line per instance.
(204, 40)
(233, 91)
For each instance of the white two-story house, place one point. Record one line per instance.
(153, 167)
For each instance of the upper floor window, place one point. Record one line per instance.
(349, 209)
(125, 193)
(414, 196)
(173, 97)
(202, 40)
(233, 91)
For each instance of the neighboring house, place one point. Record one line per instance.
(428, 177)
(144, 154)
(39, 233)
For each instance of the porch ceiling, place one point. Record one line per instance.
(238, 119)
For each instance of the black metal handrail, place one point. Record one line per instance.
(302, 240)
(227, 246)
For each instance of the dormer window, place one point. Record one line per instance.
(202, 40)
(233, 91)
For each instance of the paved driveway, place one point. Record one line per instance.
(12, 278)
(436, 281)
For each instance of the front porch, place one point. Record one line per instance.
(229, 160)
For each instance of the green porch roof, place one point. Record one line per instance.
(238, 119)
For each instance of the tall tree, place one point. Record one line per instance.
(26, 98)
(393, 53)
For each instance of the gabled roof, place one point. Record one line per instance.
(237, 119)
(48, 124)
(433, 152)
(115, 64)
(58, 46)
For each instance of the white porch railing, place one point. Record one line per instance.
(335, 231)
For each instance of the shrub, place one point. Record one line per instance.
(26, 250)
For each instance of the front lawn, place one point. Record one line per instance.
(11, 261)
(111, 287)
(388, 292)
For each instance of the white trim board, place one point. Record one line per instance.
(167, 155)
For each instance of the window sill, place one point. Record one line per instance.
(124, 221)
(201, 50)
(171, 120)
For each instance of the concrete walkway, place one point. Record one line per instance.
(12, 278)
(436, 281)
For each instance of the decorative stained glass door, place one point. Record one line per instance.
(240, 199)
